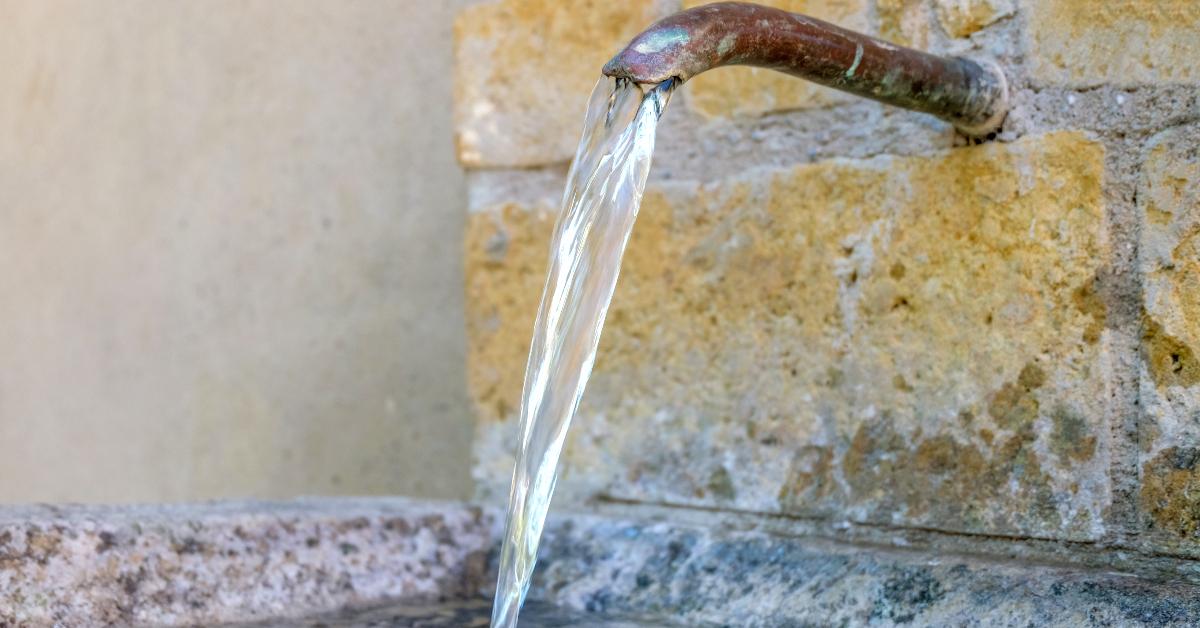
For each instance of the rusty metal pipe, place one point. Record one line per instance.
(970, 95)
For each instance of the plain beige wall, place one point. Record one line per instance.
(229, 251)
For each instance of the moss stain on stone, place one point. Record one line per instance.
(1015, 404)
(1170, 493)
(720, 485)
(940, 478)
(1171, 362)
(1070, 439)
(809, 478)
(1087, 299)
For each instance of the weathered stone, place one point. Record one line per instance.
(753, 91)
(474, 611)
(1169, 207)
(507, 257)
(1083, 43)
(896, 340)
(904, 22)
(214, 563)
(731, 577)
(524, 69)
(960, 18)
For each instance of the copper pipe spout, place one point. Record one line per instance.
(970, 95)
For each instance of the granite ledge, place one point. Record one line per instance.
(233, 561)
(274, 562)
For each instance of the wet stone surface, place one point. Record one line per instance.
(748, 579)
(463, 614)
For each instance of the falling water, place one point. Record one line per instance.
(604, 191)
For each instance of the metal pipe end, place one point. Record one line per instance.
(997, 105)
(623, 67)
(687, 43)
(971, 95)
(660, 53)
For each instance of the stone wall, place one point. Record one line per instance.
(843, 313)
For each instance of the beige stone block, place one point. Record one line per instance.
(1169, 206)
(904, 22)
(961, 18)
(524, 69)
(908, 341)
(1083, 43)
(754, 91)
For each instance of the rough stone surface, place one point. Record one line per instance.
(1083, 43)
(524, 71)
(407, 564)
(753, 579)
(751, 91)
(1169, 206)
(467, 613)
(206, 564)
(1117, 345)
(907, 341)
(961, 18)
(904, 22)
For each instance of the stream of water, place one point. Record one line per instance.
(603, 193)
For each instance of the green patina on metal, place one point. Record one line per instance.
(660, 40)
(858, 55)
(726, 44)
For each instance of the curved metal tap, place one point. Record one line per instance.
(972, 96)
